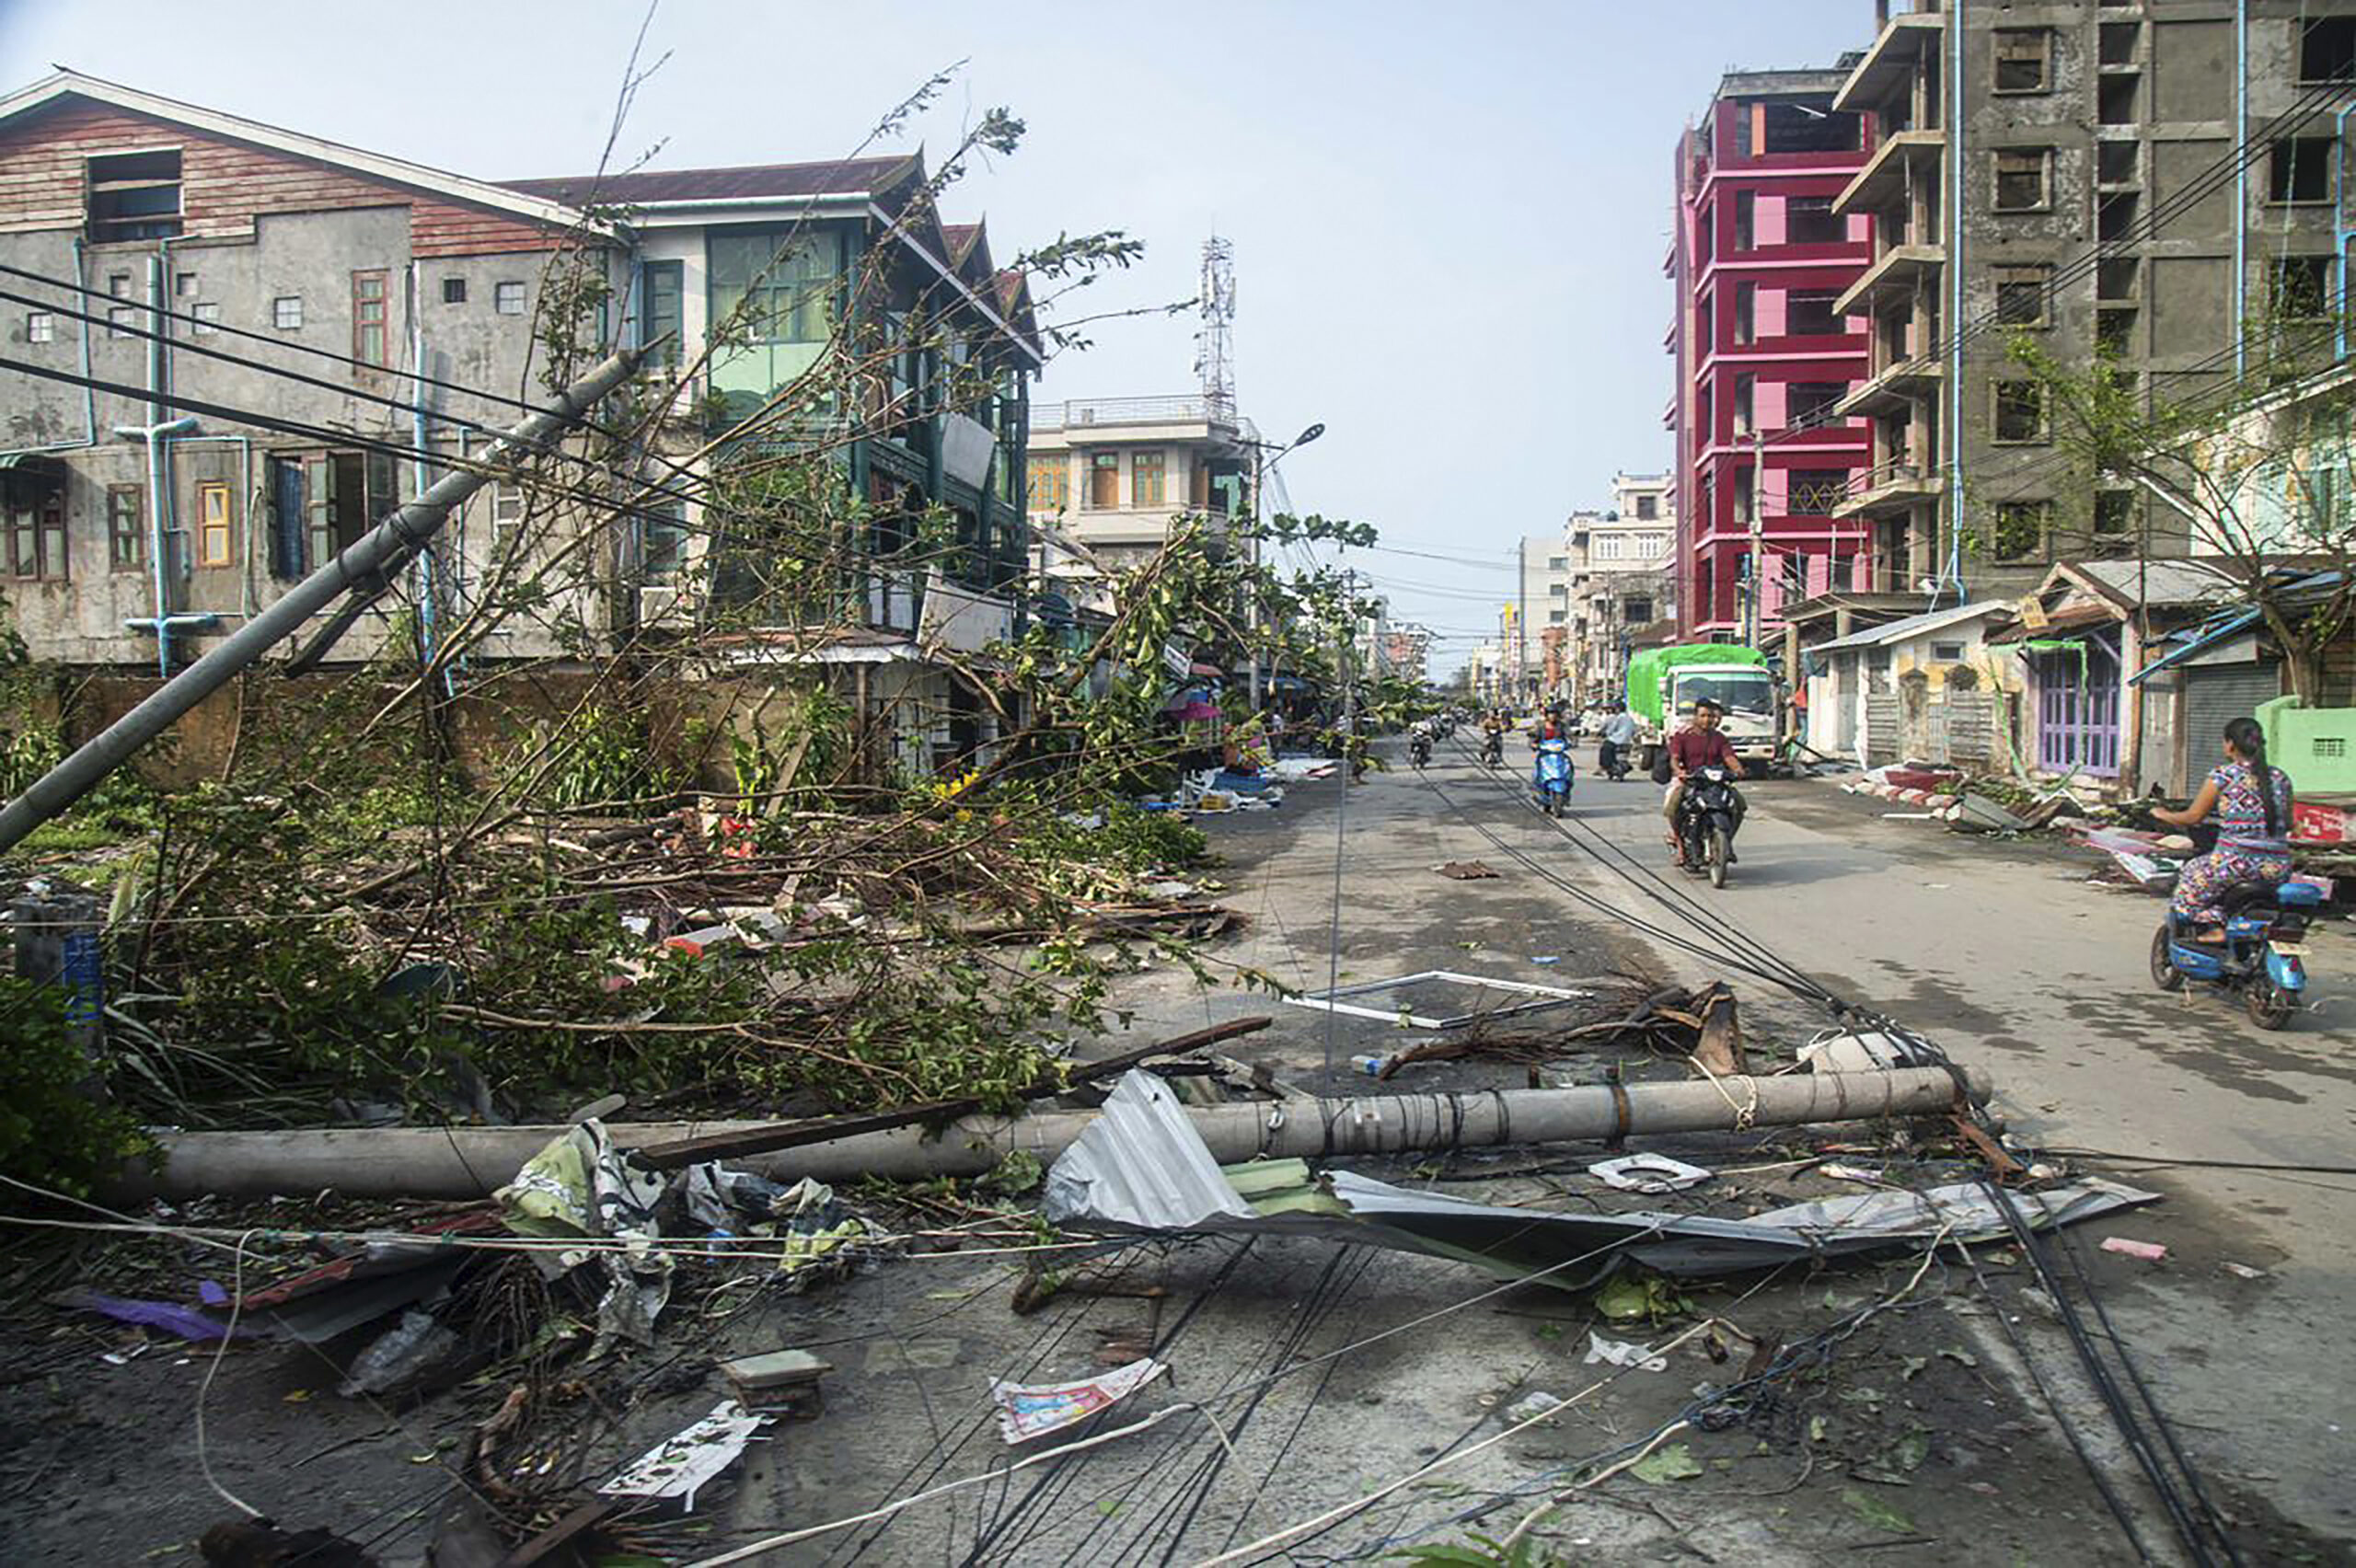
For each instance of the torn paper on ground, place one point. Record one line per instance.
(1031, 1409)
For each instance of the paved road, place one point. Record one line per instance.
(2008, 956)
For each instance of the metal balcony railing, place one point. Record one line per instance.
(1083, 412)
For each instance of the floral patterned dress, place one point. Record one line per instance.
(2246, 851)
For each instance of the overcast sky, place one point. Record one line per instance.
(1448, 219)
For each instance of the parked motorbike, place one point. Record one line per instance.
(1419, 748)
(1610, 761)
(1493, 749)
(1550, 774)
(2262, 955)
(1707, 816)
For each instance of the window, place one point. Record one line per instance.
(2115, 161)
(216, 529)
(1558, 615)
(1811, 126)
(341, 492)
(286, 313)
(1745, 390)
(1809, 315)
(1809, 220)
(183, 284)
(507, 509)
(2328, 50)
(1946, 652)
(2020, 179)
(41, 326)
(2021, 294)
(1050, 484)
(2302, 287)
(2298, 168)
(2115, 332)
(1647, 507)
(1104, 481)
(1558, 563)
(126, 527)
(663, 314)
(204, 319)
(2020, 410)
(119, 284)
(1808, 404)
(2024, 60)
(454, 291)
(1146, 469)
(1746, 207)
(36, 514)
(773, 294)
(134, 196)
(2117, 278)
(2115, 216)
(368, 319)
(2020, 529)
(1813, 493)
(1636, 612)
(1745, 495)
(2115, 100)
(1746, 299)
(507, 298)
(122, 320)
(2116, 42)
(662, 542)
(2114, 514)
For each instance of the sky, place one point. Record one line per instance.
(1449, 220)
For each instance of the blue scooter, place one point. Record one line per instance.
(2260, 957)
(1550, 774)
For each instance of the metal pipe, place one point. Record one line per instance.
(468, 1162)
(425, 587)
(158, 525)
(383, 547)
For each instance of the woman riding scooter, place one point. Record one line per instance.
(2252, 801)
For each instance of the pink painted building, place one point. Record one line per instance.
(1762, 357)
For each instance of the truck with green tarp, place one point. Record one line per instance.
(1665, 683)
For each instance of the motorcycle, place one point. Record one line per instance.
(1707, 816)
(1550, 774)
(1611, 761)
(1493, 749)
(1419, 748)
(2262, 956)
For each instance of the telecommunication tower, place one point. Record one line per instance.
(1214, 342)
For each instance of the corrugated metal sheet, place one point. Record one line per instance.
(846, 177)
(1142, 1165)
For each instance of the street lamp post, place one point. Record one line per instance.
(1261, 464)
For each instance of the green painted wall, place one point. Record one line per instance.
(2317, 747)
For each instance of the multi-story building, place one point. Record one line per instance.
(2074, 175)
(1622, 583)
(1765, 352)
(1406, 650)
(1110, 475)
(354, 325)
(1542, 605)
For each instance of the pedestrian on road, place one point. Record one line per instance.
(1700, 744)
(2252, 800)
(1619, 734)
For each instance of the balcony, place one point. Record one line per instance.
(1892, 488)
(1895, 271)
(1890, 64)
(1090, 413)
(1902, 156)
(1892, 387)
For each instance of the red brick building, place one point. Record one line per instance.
(1758, 262)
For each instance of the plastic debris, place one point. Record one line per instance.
(1649, 1174)
(1620, 1353)
(679, 1466)
(170, 1317)
(2149, 1251)
(2243, 1270)
(1532, 1405)
(402, 1356)
(1032, 1410)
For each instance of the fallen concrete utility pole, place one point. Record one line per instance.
(407, 530)
(470, 1162)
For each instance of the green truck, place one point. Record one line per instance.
(1665, 683)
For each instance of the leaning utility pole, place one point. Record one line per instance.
(381, 550)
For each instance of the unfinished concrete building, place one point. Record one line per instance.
(2159, 182)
